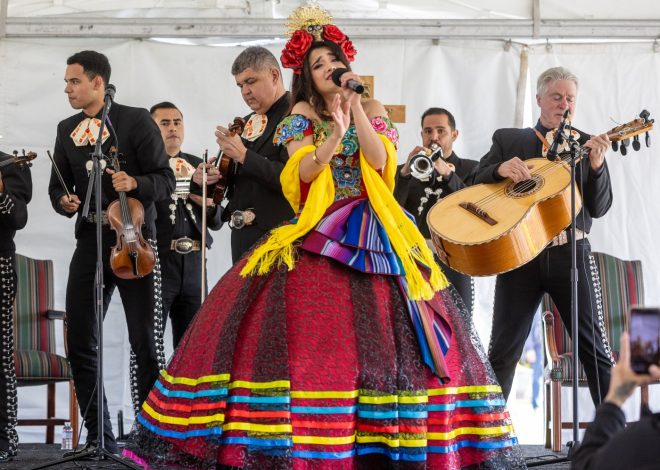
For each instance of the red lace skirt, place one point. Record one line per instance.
(319, 367)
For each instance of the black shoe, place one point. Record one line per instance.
(6, 456)
(88, 447)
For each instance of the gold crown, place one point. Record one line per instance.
(310, 17)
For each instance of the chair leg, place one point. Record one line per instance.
(50, 409)
(73, 412)
(556, 416)
(644, 390)
(546, 419)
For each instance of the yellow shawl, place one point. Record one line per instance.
(407, 241)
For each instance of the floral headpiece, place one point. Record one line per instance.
(306, 25)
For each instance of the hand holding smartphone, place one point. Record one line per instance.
(644, 327)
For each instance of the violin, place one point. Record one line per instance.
(226, 165)
(132, 257)
(17, 159)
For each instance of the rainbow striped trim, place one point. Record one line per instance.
(327, 424)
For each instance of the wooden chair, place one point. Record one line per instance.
(34, 331)
(621, 285)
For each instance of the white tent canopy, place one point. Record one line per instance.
(477, 58)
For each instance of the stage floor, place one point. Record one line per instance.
(33, 455)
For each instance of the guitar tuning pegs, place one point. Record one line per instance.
(644, 114)
(636, 145)
(625, 142)
(624, 150)
(615, 145)
(647, 139)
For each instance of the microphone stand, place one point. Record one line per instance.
(552, 154)
(574, 445)
(99, 452)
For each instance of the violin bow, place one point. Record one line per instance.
(203, 247)
(59, 175)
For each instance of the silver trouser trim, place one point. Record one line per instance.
(159, 332)
(7, 350)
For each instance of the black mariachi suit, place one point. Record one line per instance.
(519, 292)
(408, 191)
(257, 184)
(182, 273)
(144, 158)
(13, 216)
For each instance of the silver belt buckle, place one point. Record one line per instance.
(237, 220)
(183, 245)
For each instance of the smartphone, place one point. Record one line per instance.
(644, 329)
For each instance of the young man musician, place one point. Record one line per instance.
(179, 227)
(15, 194)
(450, 173)
(145, 175)
(255, 200)
(519, 292)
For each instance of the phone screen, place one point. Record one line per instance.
(644, 338)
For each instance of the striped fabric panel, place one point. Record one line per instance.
(34, 297)
(328, 424)
(622, 285)
(40, 365)
(353, 235)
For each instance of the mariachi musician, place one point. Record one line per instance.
(146, 176)
(418, 192)
(518, 292)
(179, 227)
(255, 200)
(15, 194)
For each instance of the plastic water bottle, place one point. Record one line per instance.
(67, 436)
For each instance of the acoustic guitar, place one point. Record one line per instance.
(492, 228)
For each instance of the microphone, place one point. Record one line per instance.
(110, 92)
(354, 85)
(559, 137)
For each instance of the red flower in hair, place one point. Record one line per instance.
(348, 49)
(334, 34)
(291, 61)
(295, 50)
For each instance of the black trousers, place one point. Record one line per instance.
(462, 283)
(138, 301)
(182, 289)
(8, 402)
(518, 294)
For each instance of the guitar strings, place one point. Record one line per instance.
(544, 170)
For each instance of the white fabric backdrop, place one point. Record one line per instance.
(467, 78)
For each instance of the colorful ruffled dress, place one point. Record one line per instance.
(330, 350)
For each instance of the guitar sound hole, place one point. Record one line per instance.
(525, 188)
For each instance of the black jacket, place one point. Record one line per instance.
(144, 158)
(609, 444)
(257, 184)
(13, 202)
(524, 144)
(408, 190)
(185, 224)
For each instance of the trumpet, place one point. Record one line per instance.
(421, 165)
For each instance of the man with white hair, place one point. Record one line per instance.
(519, 292)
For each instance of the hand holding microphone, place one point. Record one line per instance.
(354, 85)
